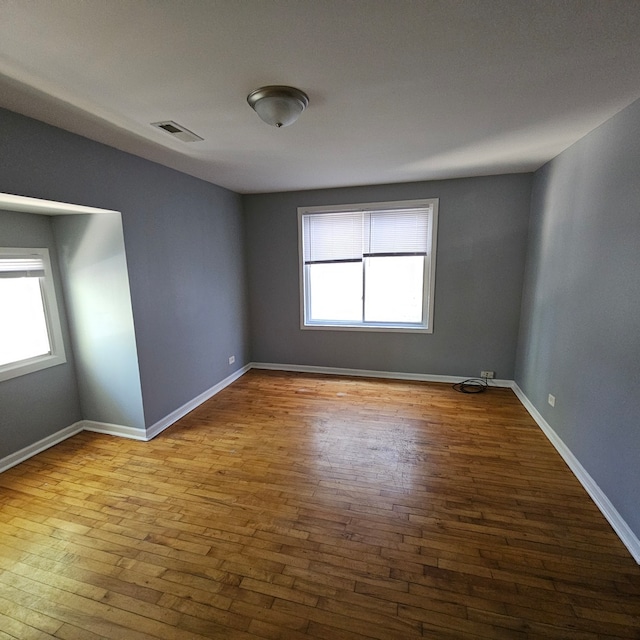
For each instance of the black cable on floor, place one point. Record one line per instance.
(472, 385)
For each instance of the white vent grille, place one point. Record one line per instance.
(177, 131)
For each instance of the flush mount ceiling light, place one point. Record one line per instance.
(277, 105)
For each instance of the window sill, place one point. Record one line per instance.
(23, 367)
(391, 328)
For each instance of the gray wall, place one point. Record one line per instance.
(35, 405)
(96, 286)
(482, 233)
(580, 332)
(184, 249)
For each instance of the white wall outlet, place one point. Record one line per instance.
(487, 374)
(551, 400)
(232, 359)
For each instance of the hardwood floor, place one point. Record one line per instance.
(296, 506)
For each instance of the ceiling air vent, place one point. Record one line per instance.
(177, 131)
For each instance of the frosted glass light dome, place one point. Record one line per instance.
(278, 105)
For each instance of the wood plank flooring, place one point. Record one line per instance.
(297, 506)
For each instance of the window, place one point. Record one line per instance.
(30, 334)
(368, 266)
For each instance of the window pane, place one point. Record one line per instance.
(335, 292)
(390, 283)
(394, 289)
(23, 326)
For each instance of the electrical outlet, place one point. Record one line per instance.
(487, 374)
(232, 359)
(551, 400)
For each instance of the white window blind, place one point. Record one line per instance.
(24, 267)
(404, 232)
(351, 236)
(332, 237)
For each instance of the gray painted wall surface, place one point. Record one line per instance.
(580, 332)
(482, 234)
(96, 285)
(184, 248)
(38, 404)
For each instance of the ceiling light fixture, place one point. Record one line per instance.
(277, 105)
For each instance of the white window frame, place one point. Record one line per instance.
(57, 353)
(426, 325)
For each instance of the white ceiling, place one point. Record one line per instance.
(400, 90)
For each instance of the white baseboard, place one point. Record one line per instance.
(37, 447)
(182, 411)
(113, 429)
(367, 373)
(619, 525)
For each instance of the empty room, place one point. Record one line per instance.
(319, 319)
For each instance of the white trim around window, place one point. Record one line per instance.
(369, 266)
(33, 265)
